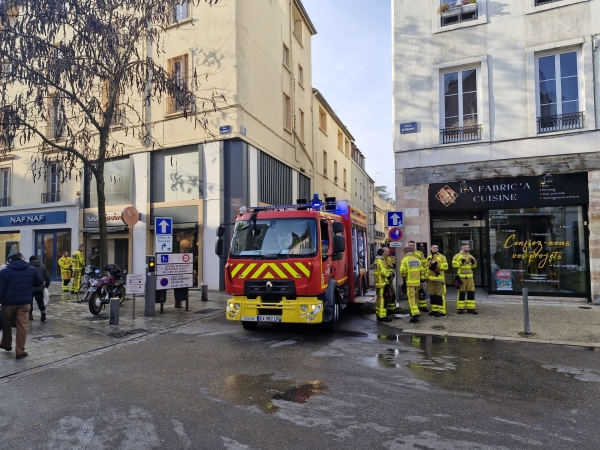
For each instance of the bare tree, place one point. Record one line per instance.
(78, 77)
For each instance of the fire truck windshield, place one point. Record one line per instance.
(275, 238)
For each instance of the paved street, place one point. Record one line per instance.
(210, 384)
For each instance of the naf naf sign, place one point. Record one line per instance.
(562, 190)
(19, 220)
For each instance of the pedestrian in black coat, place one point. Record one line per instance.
(17, 281)
(38, 292)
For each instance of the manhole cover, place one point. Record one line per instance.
(121, 334)
(48, 338)
(96, 318)
(208, 310)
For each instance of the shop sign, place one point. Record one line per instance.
(564, 189)
(90, 220)
(17, 220)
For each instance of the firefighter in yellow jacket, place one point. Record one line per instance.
(465, 263)
(422, 294)
(65, 262)
(78, 263)
(382, 273)
(413, 273)
(390, 264)
(436, 265)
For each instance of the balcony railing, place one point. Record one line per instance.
(459, 14)
(50, 197)
(545, 2)
(561, 122)
(461, 134)
(5, 201)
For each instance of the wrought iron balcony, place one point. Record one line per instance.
(461, 134)
(5, 201)
(560, 122)
(545, 2)
(459, 14)
(50, 197)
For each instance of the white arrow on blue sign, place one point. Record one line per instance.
(163, 225)
(395, 219)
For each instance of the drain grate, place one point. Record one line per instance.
(48, 338)
(208, 310)
(96, 318)
(121, 334)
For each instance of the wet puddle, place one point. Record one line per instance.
(262, 390)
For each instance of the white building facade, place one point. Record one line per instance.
(496, 138)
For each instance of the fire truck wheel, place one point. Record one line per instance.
(248, 325)
(329, 327)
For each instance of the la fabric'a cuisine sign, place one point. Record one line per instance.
(568, 189)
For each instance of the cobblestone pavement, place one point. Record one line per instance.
(71, 330)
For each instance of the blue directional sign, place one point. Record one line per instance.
(395, 219)
(164, 259)
(163, 225)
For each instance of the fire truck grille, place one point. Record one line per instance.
(270, 287)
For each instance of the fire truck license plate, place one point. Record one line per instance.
(269, 318)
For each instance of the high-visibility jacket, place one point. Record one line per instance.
(78, 261)
(465, 269)
(412, 270)
(442, 265)
(382, 273)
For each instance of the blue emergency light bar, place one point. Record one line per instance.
(316, 204)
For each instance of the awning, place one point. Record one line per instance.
(108, 229)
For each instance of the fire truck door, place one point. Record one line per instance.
(326, 257)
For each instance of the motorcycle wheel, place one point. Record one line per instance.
(94, 308)
(83, 291)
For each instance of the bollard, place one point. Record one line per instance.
(204, 291)
(133, 309)
(526, 310)
(150, 294)
(113, 318)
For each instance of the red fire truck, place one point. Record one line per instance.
(300, 263)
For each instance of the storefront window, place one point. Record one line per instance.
(9, 243)
(176, 175)
(541, 249)
(117, 184)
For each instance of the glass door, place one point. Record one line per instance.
(49, 246)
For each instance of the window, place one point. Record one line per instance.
(287, 112)
(322, 120)
(178, 68)
(304, 187)
(300, 75)
(117, 184)
(297, 18)
(324, 163)
(276, 181)
(286, 56)
(340, 143)
(347, 147)
(180, 11)
(355, 187)
(558, 93)
(5, 186)
(460, 121)
(118, 117)
(335, 172)
(452, 12)
(302, 136)
(6, 70)
(360, 191)
(52, 193)
(176, 175)
(55, 127)
(6, 134)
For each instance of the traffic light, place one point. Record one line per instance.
(151, 263)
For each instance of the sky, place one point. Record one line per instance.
(352, 68)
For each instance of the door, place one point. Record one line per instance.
(449, 235)
(49, 246)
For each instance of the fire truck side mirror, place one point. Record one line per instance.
(219, 247)
(337, 227)
(339, 244)
(220, 231)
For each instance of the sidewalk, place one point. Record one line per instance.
(71, 330)
(556, 322)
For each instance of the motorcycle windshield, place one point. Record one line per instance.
(270, 238)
